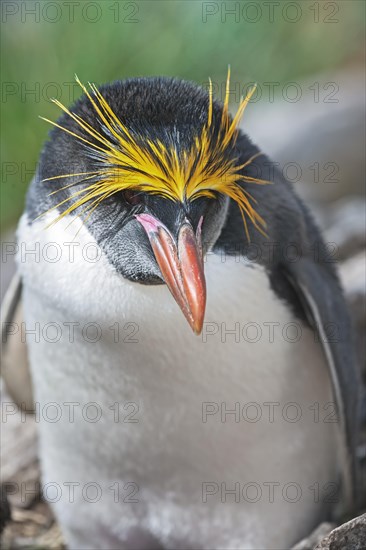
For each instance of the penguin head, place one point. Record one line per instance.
(149, 165)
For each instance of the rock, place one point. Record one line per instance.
(34, 528)
(5, 515)
(316, 536)
(346, 227)
(51, 539)
(353, 276)
(323, 136)
(349, 536)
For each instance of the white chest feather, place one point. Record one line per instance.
(216, 441)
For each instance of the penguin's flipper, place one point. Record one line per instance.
(14, 355)
(327, 313)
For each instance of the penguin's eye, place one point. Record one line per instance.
(132, 197)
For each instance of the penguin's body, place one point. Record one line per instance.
(238, 438)
(168, 444)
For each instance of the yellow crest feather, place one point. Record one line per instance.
(154, 168)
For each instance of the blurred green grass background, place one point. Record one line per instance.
(164, 38)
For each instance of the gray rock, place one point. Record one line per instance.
(316, 536)
(324, 136)
(346, 227)
(353, 276)
(349, 536)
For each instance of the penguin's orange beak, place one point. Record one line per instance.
(181, 265)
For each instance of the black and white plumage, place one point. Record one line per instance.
(284, 277)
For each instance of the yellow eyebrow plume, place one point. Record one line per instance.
(127, 161)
